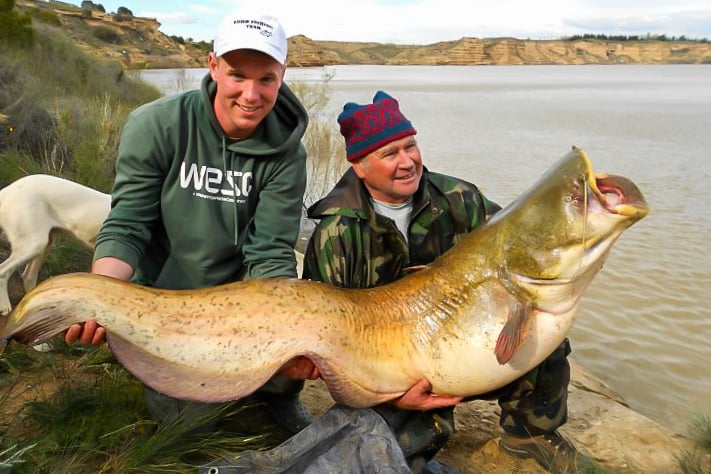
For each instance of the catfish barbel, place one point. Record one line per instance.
(482, 315)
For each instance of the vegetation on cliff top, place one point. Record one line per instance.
(137, 43)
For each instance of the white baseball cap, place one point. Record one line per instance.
(244, 30)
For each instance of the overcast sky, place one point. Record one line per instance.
(430, 21)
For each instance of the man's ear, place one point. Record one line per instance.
(360, 167)
(212, 63)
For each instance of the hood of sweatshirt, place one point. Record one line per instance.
(281, 130)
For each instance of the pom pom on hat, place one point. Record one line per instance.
(368, 127)
(244, 30)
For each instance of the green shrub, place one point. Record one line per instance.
(107, 35)
(46, 16)
(701, 429)
(326, 161)
(15, 28)
(124, 11)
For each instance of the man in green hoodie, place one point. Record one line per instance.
(209, 188)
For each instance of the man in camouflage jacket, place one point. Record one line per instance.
(388, 215)
(365, 249)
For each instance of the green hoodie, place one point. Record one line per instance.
(191, 208)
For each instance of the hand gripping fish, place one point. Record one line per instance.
(483, 314)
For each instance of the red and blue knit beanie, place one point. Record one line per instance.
(368, 127)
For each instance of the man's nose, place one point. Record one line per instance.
(250, 90)
(405, 160)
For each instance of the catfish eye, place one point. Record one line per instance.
(574, 197)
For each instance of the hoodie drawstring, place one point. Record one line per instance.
(243, 236)
(226, 170)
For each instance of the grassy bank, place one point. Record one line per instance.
(75, 409)
(62, 110)
(61, 113)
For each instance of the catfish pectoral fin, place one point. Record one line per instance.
(182, 381)
(513, 333)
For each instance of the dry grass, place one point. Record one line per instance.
(77, 410)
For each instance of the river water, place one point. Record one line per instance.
(644, 326)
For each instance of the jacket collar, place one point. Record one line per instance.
(350, 198)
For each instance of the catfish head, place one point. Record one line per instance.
(557, 235)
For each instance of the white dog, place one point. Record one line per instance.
(32, 210)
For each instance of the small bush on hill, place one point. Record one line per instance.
(107, 35)
(46, 16)
(15, 28)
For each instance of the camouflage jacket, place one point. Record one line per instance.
(353, 246)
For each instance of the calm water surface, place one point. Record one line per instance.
(643, 326)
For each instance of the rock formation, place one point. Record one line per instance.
(138, 43)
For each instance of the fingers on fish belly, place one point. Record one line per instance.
(514, 332)
(183, 381)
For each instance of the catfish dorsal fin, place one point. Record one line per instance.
(513, 333)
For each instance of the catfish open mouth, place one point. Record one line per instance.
(620, 195)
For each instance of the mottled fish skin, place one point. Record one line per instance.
(480, 316)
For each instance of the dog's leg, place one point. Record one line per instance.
(7, 269)
(32, 269)
(22, 253)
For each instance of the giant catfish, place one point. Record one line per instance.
(483, 314)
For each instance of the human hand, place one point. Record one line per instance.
(87, 333)
(300, 368)
(420, 397)
(90, 332)
(413, 269)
